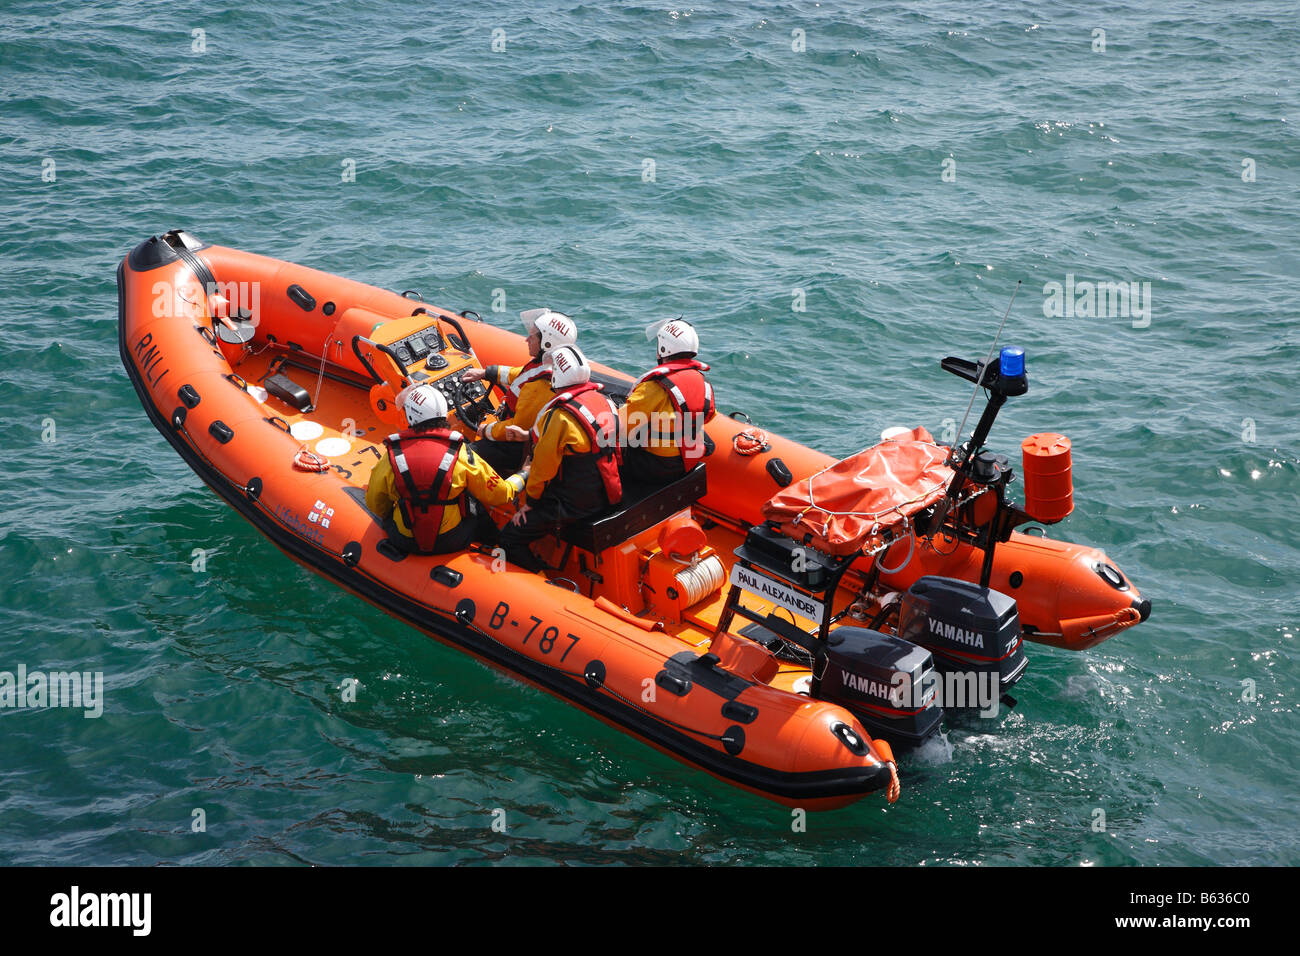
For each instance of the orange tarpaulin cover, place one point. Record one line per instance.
(850, 506)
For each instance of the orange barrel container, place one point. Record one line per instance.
(1049, 489)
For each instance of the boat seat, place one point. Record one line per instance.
(641, 508)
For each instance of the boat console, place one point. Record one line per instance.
(415, 350)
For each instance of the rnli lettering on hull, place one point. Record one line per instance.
(760, 585)
(149, 358)
(960, 635)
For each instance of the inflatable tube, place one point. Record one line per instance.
(269, 379)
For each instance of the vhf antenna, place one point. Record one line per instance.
(961, 430)
(946, 502)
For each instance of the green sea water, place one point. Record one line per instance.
(838, 195)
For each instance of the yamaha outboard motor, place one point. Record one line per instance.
(974, 634)
(887, 683)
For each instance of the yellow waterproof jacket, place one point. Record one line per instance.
(646, 407)
(558, 434)
(533, 394)
(469, 472)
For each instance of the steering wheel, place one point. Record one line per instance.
(472, 401)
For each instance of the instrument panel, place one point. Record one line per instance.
(424, 346)
(428, 358)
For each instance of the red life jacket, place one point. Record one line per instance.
(690, 393)
(599, 421)
(423, 462)
(531, 371)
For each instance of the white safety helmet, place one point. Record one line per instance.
(569, 367)
(555, 328)
(420, 403)
(675, 336)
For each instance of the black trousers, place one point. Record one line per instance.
(644, 469)
(547, 516)
(505, 457)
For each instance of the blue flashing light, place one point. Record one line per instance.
(1013, 362)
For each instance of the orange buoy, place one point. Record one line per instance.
(1049, 489)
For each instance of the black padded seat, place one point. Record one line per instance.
(641, 509)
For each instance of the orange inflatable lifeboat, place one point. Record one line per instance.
(775, 618)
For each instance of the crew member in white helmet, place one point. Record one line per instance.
(419, 488)
(574, 469)
(663, 420)
(503, 436)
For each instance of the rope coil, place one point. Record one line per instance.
(751, 441)
(700, 580)
(306, 460)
